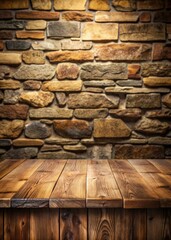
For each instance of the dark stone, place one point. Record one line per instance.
(162, 17)
(6, 15)
(6, 35)
(63, 29)
(12, 25)
(18, 45)
(156, 69)
(5, 142)
(143, 100)
(21, 153)
(37, 130)
(14, 111)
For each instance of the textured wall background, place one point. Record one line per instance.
(85, 79)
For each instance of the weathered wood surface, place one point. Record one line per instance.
(85, 183)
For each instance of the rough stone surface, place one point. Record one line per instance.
(37, 15)
(13, 111)
(37, 98)
(145, 17)
(9, 84)
(143, 100)
(59, 155)
(10, 58)
(90, 100)
(73, 56)
(1, 45)
(69, 5)
(11, 25)
(123, 52)
(110, 128)
(48, 45)
(156, 69)
(33, 57)
(126, 114)
(75, 148)
(150, 4)
(50, 148)
(76, 45)
(162, 17)
(1, 96)
(61, 99)
(142, 32)
(116, 17)
(101, 83)
(6, 72)
(132, 90)
(6, 35)
(34, 72)
(161, 51)
(36, 25)
(104, 71)
(41, 4)
(139, 152)
(165, 114)
(124, 5)
(157, 81)
(50, 113)
(73, 128)
(21, 153)
(100, 152)
(63, 29)
(63, 86)
(61, 140)
(67, 71)
(133, 71)
(24, 142)
(132, 83)
(18, 45)
(167, 100)
(91, 113)
(11, 129)
(77, 16)
(148, 126)
(100, 31)
(11, 96)
(11, 4)
(5, 142)
(31, 85)
(37, 130)
(101, 5)
(160, 140)
(30, 35)
(6, 14)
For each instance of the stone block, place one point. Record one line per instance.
(17, 4)
(62, 86)
(32, 85)
(18, 45)
(150, 4)
(67, 71)
(100, 5)
(6, 14)
(124, 5)
(24, 142)
(75, 45)
(69, 5)
(63, 29)
(161, 52)
(6, 35)
(91, 113)
(10, 58)
(166, 100)
(50, 113)
(9, 84)
(11, 129)
(11, 96)
(46, 45)
(116, 16)
(33, 57)
(156, 69)
(36, 25)
(42, 15)
(37, 130)
(14, 111)
(30, 35)
(41, 4)
(12, 25)
(145, 17)
(21, 153)
(143, 101)
(126, 114)
(77, 16)
(157, 81)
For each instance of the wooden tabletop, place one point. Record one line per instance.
(85, 183)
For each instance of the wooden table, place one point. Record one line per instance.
(80, 199)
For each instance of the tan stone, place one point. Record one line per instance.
(33, 57)
(31, 35)
(9, 84)
(73, 56)
(150, 4)
(41, 4)
(101, 5)
(69, 4)
(11, 4)
(133, 71)
(67, 71)
(129, 114)
(145, 17)
(37, 15)
(46, 45)
(75, 148)
(50, 113)
(116, 17)
(61, 140)
(110, 128)
(36, 25)
(25, 142)
(167, 100)
(37, 99)
(100, 31)
(10, 58)
(63, 86)
(77, 16)
(50, 148)
(163, 114)
(11, 129)
(142, 32)
(76, 45)
(143, 100)
(161, 51)
(18, 111)
(32, 85)
(160, 140)
(124, 5)
(135, 90)
(157, 81)
(125, 52)
(160, 69)
(91, 113)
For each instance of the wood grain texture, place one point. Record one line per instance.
(102, 189)
(162, 164)
(44, 224)
(36, 191)
(101, 224)
(7, 165)
(70, 190)
(73, 224)
(142, 165)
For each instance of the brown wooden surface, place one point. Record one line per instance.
(36, 183)
(1, 223)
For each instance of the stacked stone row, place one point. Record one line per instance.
(85, 79)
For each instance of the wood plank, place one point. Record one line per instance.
(1, 224)
(162, 164)
(102, 189)
(14, 180)
(36, 191)
(70, 190)
(142, 165)
(135, 191)
(73, 224)
(16, 224)
(139, 224)
(158, 224)
(121, 166)
(44, 224)
(101, 223)
(7, 165)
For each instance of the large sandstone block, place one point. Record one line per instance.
(143, 100)
(156, 69)
(33, 57)
(11, 96)
(150, 4)
(72, 128)
(62, 86)
(30, 35)
(101, 5)
(11, 4)
(157, 81)
(36, 25)
(50, 113)
(99, 71)
(10, 58)
(110, 128)
(126, 114)
(123, 52)
(75, 45)
(77, 16)
(162, 51)
(37, 15)
(142, 32)
(41, 4)
(24, 142)
(63, 29)
(11, 129)
(9, 84)
(67, 71)
(14, 111)
(91, 113)
(100, 31)
(69, 4)
(46, 45)
(116, 16)
(167, 100)
(124, 5)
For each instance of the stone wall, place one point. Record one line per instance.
(85, 79)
